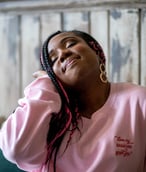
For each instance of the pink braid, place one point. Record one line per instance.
(98, 49)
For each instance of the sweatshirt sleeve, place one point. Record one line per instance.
(23, 134)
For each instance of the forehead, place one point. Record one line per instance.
(60, 38)
(64, 35)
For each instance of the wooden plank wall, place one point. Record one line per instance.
(121, 32)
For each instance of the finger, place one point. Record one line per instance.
(39, 73)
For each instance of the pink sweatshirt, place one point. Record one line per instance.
(113, 140)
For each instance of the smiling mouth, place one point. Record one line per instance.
(70, 62)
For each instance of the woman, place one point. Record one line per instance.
(75, 120)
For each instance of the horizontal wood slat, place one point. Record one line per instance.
(21, 7)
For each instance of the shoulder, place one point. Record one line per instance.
(130, 93)
(129, 88)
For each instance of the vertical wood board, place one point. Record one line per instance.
(99, 30)
(76, 20)
(9, 59)
(50, 23)
(124, 45)
(30, 37)
(143, 48)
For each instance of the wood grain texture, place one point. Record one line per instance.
(124, 45)
(99, 26)
(49, 24)
(76, 20)
(9, 60)
(121, 30)
(37, 7)
(143, 48)
(30, 45)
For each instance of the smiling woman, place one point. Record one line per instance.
(72, 118)
(72, 58)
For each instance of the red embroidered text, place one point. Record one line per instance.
(123, 146)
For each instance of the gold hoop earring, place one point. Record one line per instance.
(103, 77)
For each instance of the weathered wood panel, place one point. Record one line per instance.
(49, 24)
(143, 48)
(99, 30)
(64, 1)
(30, 46)
(19, 7)
(76, 20)
(9, 60)
(21, 38)
(124, 45)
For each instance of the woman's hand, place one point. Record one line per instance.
(39, 73)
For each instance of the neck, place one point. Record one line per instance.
(93, 98)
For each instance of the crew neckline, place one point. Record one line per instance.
(108, 104)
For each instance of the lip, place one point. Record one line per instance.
(69, 62)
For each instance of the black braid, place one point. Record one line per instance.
(58, 121)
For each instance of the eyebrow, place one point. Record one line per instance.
(62, 41)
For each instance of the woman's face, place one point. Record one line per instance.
(73, 60)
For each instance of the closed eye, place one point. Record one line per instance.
(53, 60)
(70, 44)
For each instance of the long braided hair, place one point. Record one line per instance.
(68, 117)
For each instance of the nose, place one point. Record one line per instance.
(63, 54)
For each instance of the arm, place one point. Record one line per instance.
(23, 135)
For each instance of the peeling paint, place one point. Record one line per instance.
(129, 75)
(116, 14)
(85, 16)
(143, 15)
(4, 30)
(36, 19)
(12, 39)
(120, 56)
(64, 19)
(37, 52)
(133, 11)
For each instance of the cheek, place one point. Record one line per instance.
(58, 72)
(85, 51)
(80, 49)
